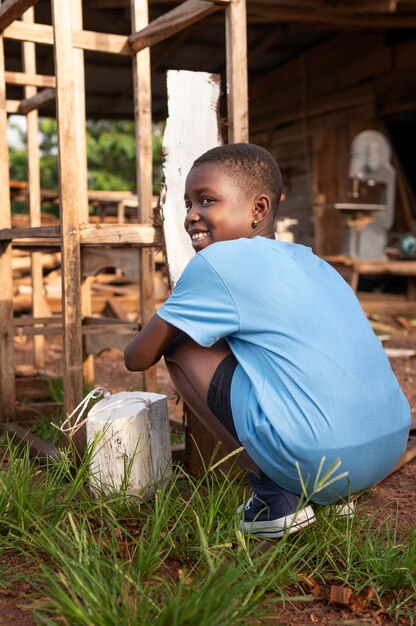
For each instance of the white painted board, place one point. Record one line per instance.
(192, 128)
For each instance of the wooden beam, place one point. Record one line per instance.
(37, 33)
(41, 99)
(396, 268)
(407, 456)
(8, 234)
(274, 13)
(71, 198)
(237, 89)
(142, 91)
(83, 39)
(173, 21)
(111, 196)
(32, 80)
(30, 412)
(33, 158)
(25, 320)
(101, 42)
(123, 328)
(10, 10)
(121, 234)
(80, 117)
(7, 380)
(12, 106)
(37, 447)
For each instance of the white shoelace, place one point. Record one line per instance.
(96, 393)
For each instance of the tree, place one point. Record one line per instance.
(111, 155)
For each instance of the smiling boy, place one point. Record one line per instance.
(269, 347)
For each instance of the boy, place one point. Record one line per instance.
(269, 347)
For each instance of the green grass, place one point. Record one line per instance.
(179, 559)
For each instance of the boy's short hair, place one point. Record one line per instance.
(251, 166)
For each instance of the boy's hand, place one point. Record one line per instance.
(149, 345)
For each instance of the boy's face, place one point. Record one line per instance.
(217, 208)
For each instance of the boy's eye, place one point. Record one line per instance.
(205, 200)
(188, 206)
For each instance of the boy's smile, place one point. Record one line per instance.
(217, 208)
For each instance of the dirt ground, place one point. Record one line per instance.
(395, 495)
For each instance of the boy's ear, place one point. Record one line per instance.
(262, 206)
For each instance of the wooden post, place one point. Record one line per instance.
(71, 198)
(80, 117)
(38, 301)
(237, 90)
(143, 116)
(7, 380)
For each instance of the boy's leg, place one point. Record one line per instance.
(271, 510)
(191, 368)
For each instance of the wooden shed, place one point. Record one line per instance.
(319, 72)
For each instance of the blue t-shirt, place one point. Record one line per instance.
(312, 379)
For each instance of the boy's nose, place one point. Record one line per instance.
(191, 217)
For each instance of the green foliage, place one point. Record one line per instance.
(111, 154)
(111, 151)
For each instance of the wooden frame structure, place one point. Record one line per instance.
(75, 236)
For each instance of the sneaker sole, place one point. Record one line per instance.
(275, 529)
(342, 511)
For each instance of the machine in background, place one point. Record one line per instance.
(370, 214)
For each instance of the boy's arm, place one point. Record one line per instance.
(149, 345)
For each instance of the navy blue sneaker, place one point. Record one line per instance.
(272, 511)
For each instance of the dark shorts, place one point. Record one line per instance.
(219, 393)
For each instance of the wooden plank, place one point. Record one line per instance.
(173, 21)
(32, 80)
(10, 10)
(83, 39)
(142, 91)
(36, 245)
(41, 99)
(116, 309)
(7, 234)
(389, 306)
(37, 447)
(111, 196)
(101, 42)
(32, 387)
(178, 453)
(33, 157)
(396, 268)
(408, 455)
(80, 118)
(95, 260)
(107, 329)
(95, 343)
(237, 89)
(12, 106)
(25, 320)
(7, 382)
(37, 33)
(71, 198)
(121, 234)
(329, 17)
(32, 410)
(192, 128)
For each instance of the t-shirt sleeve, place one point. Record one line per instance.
(201, 304)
